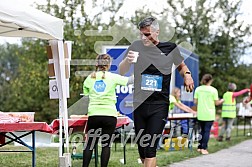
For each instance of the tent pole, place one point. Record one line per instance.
(59, 67)
(62, 91)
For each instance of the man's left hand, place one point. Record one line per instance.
(188, 83)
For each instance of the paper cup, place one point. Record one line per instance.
(122, 161)
(136, 54)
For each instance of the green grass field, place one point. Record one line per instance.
(48, 157)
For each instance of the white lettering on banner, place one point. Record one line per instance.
(124, 89)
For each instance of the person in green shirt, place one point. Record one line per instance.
(100, 87)
(228, 113)
(176, 102)
(206, 97)
(176, 107)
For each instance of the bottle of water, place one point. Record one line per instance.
(74, 149)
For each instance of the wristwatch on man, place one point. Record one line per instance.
(187, 72)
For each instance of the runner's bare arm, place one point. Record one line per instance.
(124, 66)
(186, 74)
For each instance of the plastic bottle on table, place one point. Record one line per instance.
(74, 149)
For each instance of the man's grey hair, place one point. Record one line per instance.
(149, 21)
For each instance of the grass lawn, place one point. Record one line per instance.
(48, 157)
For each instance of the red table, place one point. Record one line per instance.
(25, 126)
(29, 128)
(79, 124)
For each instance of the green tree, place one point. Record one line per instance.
(229, 45)
(28, 90)
(8, 70)
(218, 37)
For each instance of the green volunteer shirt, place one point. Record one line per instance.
(206, 96)
(102, 94)
(173, 100)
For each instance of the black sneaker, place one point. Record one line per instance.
(220, 138)
(228, 139)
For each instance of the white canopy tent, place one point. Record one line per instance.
(24, 21)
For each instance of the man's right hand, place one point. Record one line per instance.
(124, 66)
(130, 57)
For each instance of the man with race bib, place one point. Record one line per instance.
(152, 75)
